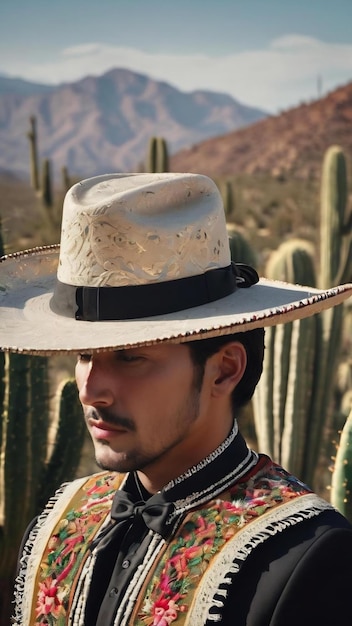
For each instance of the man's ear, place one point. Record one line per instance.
(231, 363)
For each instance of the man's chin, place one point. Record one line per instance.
(111, 465)
(111, 461)
(107, 460)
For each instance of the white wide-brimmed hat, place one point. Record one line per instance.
(144, 258)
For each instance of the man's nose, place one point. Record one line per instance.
(95, 385)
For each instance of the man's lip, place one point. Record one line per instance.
(102, 428)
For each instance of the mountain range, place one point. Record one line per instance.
(103, 124)
(291, 143)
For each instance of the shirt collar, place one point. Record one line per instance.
(211, 476)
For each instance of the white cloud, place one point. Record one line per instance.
(280, 76)
(83, 50)
(295, 41)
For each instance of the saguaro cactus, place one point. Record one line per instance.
(309, 348)
(40, 447)
(31, 466)
(46, 188)
(157, 158)
(33, 146)
(40, 183)
(335, 268)
(47, 197)
(335, 226)
(284, 394)
(240, 249)
(66, 181)
(228, 198)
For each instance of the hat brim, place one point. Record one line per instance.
(28, 324)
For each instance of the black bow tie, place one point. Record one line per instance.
(154, 512)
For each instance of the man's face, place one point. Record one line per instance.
(144, 410)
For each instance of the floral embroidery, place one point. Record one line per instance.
(67, 547)
(204, 532)
(49, 600)
(175, 577)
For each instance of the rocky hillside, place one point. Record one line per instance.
(102, 124)
(292, 142)
(22, 87)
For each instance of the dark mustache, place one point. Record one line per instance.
(110, 418)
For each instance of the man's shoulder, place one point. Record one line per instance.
(94, 485)
(296, 575)
(328, 524)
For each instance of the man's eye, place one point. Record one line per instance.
(126, 357)
(129, 358)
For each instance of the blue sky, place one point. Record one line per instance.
(271, 54)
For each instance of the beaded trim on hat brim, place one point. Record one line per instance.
(28, 325)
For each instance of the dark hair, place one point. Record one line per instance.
(253, 342)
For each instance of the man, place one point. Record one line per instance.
(186, 524)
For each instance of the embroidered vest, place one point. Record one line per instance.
(178, 579)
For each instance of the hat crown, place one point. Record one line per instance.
(104, 298)
(137, 229)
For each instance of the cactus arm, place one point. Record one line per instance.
(157, 156)
(341, 484)
(228, 198)
(151, 155)
(285, 386)
(162, 156)
(240, 249)
(37, 424)
(299, 393)
(47, 194)
(66, 180)
(334, 265)
(333, 206)
(263, 398)
(345, 268)
(14, 453)
(32, 137)
(70, 429)
(27, 478)
(281, 348)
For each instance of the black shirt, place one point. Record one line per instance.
(124, 544)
